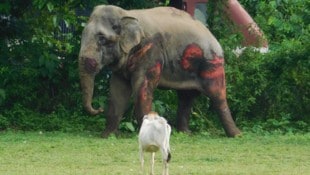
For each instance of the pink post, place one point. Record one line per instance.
(252, 34)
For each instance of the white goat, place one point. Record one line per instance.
(154, 135)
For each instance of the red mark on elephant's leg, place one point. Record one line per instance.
(145, 94)
(191, 52)
(153, 74)
(143, 104)
(214, 78)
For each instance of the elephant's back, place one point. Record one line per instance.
(178, 28)
(163, 18)
(159, 12)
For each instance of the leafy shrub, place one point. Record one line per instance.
(4, 123)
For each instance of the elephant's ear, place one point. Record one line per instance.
(131, 33)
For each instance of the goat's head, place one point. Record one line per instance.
(151, 116)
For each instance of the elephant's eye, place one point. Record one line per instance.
(117, 29)
(102, 40)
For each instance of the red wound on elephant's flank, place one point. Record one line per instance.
(156, 68)
(217, 69)
(211, 74)
(154, 72)
(217, 60)
(192, 51)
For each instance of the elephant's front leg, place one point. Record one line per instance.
(144, 99)
(120, 92)
(144, 87)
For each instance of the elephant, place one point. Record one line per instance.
(145, 49)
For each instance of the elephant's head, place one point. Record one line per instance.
(106, 41)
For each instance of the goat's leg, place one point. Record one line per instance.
(152, 163)
(166, 157)
(165, 168)
(141, 160)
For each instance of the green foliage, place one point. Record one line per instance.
(270, 86)
(2, 96)
(4, 123)
(289, 69)
(281, 125)
(284, 19)
(246, 80)
(38, 61)
(165, 103)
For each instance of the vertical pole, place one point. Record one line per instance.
(252, 34)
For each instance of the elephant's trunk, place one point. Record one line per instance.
(87, 85)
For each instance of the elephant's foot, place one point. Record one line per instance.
(185, 130)
(95, 111)
(182, 124)
(229, 125)
(107, 133)
(231, 130)
(233, 133)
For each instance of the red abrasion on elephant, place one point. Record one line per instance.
(143, 104)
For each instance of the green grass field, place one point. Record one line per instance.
(60, 153)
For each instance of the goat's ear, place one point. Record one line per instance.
(144, 117)
(162, 120)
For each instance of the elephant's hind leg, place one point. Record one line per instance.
(215, 87)
(220, 103)
(186, 100)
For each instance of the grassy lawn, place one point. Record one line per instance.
(60, 153)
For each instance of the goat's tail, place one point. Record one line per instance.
(169, 156)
